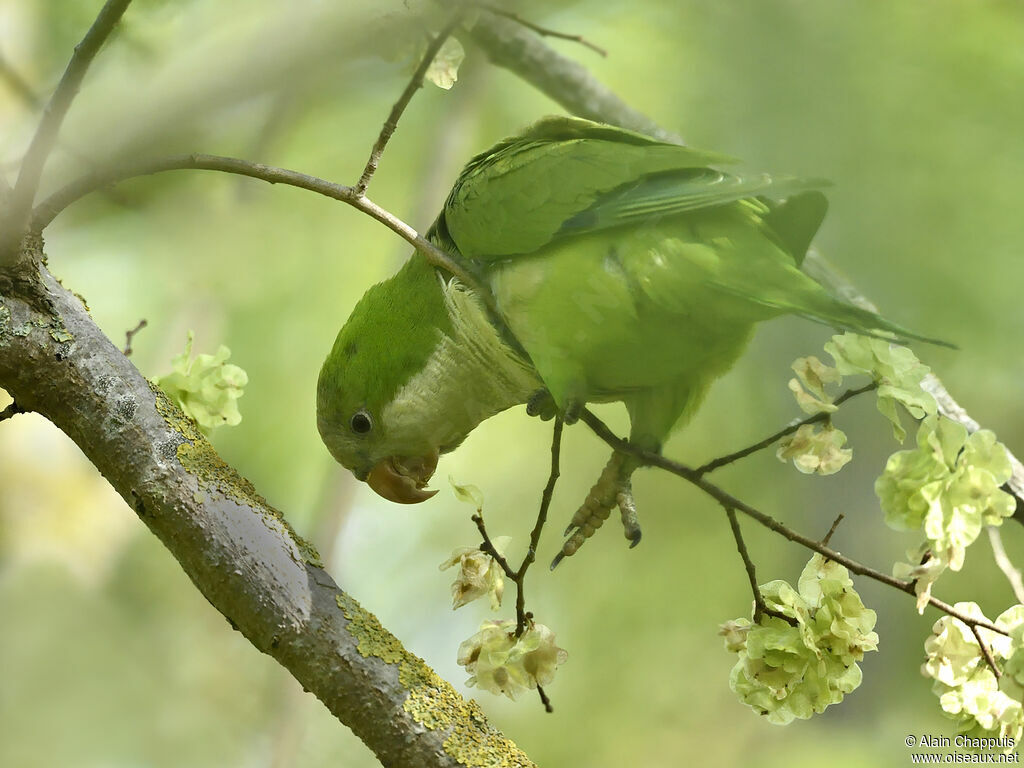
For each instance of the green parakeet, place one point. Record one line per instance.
(623, 269)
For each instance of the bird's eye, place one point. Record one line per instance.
(361, 422)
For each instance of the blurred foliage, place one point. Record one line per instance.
(110, 655)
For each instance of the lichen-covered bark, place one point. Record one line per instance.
(237, 549)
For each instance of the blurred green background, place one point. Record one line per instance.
(109, 655)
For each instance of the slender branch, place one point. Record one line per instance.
(714, 464)
(415, 83)
(1009, 570)
(545, 700)
(48, 210)
(53, 116)
(835, 524)
(542, 516)
(509, 45)
(542, 31)
(760, 607)
(488, 546)
(129, 335)
(727, 500)
(986, 651)
(518, 575)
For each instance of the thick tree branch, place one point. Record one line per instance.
(239, 551)
(49, 125)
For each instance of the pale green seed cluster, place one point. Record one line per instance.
(502, 663)
(787, 672)
(982, 705)
(814, 450)
(206, 388)
(898, 374)
(949, 487)
(479, 574)
(896, 369)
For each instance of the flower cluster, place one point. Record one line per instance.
(949, 486)
(814, 450)
(206, 388)
(502, 663)
(787, 672)
(479, 574)
(896, 369)
(969, 692)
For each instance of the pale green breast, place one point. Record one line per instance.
(470, 375)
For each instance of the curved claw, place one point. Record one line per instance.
(403, 480)
(573, 408)
(541, 404)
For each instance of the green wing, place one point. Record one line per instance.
(515, 197)
(671, 193)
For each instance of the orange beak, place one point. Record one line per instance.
(403, 479)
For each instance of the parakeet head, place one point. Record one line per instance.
(374, 369)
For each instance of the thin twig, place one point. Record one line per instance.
(835, 524)
(542, 31)
(545, 700)
(11, 410)
(986, 651)
(47, 211)
(129, 335)
(53, 116)
(542, 516)
(415, 83)
(488, 546)
(727, 500)
(559, 77)
(714, 464)
(760, 607)
(1009, 570)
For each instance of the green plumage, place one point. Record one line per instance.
(623, 267)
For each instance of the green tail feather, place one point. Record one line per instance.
(846, 317)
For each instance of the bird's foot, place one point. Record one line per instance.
(542, 404)
(612, 489)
